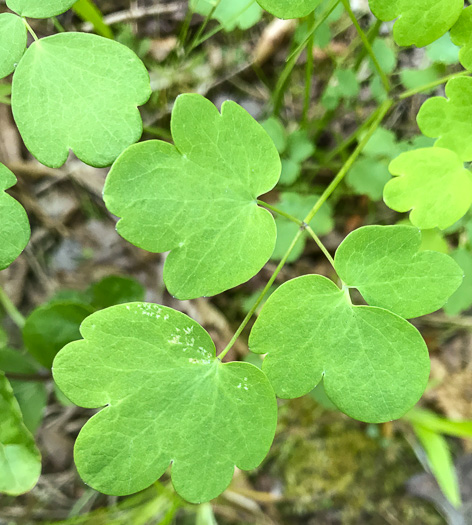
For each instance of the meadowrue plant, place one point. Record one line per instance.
(165, 397)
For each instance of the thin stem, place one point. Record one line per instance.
(59, 27)
(309, 69)
(264, 292)
(368, 47)
(33, 378)
(381, 112)
(30, 30)
(291, 218)
(11, 310)
(431, 85)
(202, 27)
(321, 246)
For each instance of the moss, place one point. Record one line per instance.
(337, 470)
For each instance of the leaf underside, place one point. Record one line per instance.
(168, 401)
(198, 198)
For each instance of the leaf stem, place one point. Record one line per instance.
(321, 246)
(264, 292)
(430, 85)
(380, 114)
(291, 218)
(59, 27)
(30, 30)
(11, 310)
(367, 45)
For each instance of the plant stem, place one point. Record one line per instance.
(309, 69)
(251, 312)
(291, 218)
(30, 30)
(321, 246)
(380, 114)
(59, 27)
(430, 85)
(11, 310)
(368, 47)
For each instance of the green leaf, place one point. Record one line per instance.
(51, 326)
(419, 23)
(276, 131)
(39, 8)
(299, 206)
(462, 299)
(291, 170)
(20, 461)
(299, 146)
(461, 36)
(373, 363)
(168, 400)
(440, 462)
(115, 290)
(433, 183)
(90, 87)
(438, 424)
(415, 78)
(368, 177)
(230, 13)
(15, 231)
(450, 119)
(443, 51)
(385, 55)
(12, 42)
(198, 198)
(31, 395)
(289, 8)
(89, 12)
(384, 263)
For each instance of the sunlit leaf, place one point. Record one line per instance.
(12, 42)
(39, 8)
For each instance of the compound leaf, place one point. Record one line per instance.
(230, 13)
(461, 36)
(51, 326)
(384, 263)
(12, 42)
(20, 461)
(90, 88)
(198, 198)
(40, 8)
(433, 183)
(289, 8)
(373, 363)
(419, 23)
(450, 119)
(15, 231)
(168, 400)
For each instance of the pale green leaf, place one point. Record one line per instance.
(276, 131)
(419, 23)
(415, 78)
(230, 13)
(51, 326)
(39, 8)
(12, 42)
(89, 12)
(373, 363)
(433, 183)
(299, 206)
(20, 461)
(443, 51)
(384, 263)
(299, 146)
(15, 231)
(31, 395)
(461, 35)
(291, 170)
(462, 299)
(440, 425)
(198, 198)
(168, 400)
(368, 177)
(440, 462)
(89, 87)
(385, 55)
(450, 119)
(289, 8)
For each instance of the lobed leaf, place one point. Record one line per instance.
(90, 87)
(433, 184)
(289, 8)
(168, 400)
(418, 23)
(384, 263)
(373, 363)
(40, 8)
(15, 231)
(461, 36)
(20, 461)
(230, 13)
(12, 42)
(198, 198)
(450, 119)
